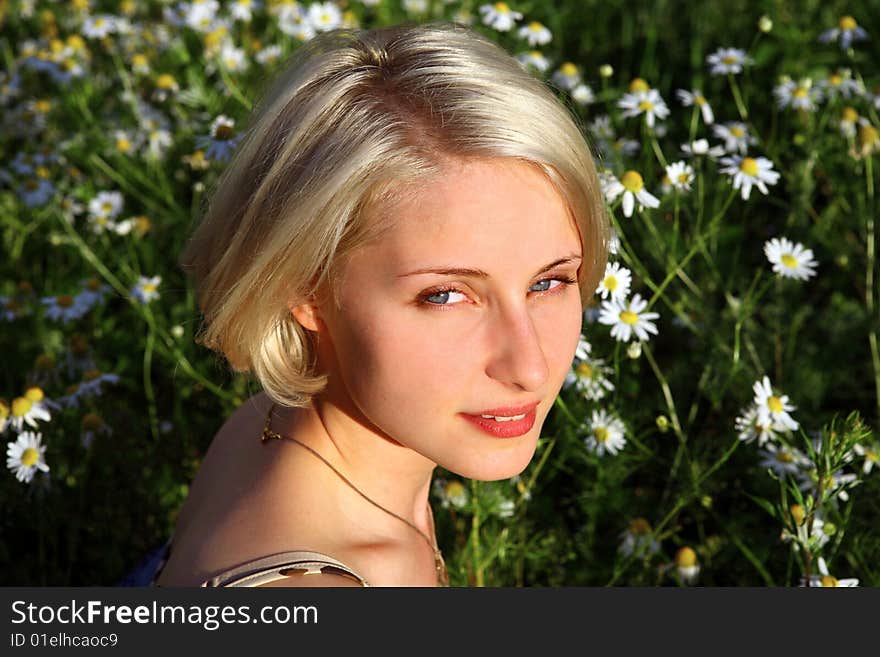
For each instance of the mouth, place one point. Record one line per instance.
(505, 423)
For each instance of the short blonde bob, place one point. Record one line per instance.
(357, 118)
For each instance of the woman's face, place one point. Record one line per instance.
(418, 356)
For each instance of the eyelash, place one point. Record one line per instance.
(565, 280)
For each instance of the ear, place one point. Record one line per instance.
(308, 315)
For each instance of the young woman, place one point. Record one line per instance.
(399, 252)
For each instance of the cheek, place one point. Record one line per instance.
(559, 334)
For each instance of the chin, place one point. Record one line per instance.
(498, 465)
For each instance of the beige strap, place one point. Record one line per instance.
(277, 566)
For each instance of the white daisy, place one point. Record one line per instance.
(783, 460)
(849, 118)
(627, 317)
(106, 204)
(233, 58)
(696, 97)
(452, 493)
(499, 16)
(605, 433)
(415, 6)
(749, 171)
(292, 21)
(638, 539)
(847, 31)
(98, 27)
(65, 307)
(268, 55)
(241, 10)
(649, 103)
(800, 95)
(535, 59)
(567, 76)
(616, 282)
(749, 426)
(817, 539)
(681, 175)
(871, 455)
(632, 186)
(535, 33)
(701, 147)
(772, 407)
(841, 84)
(824, 579)
(200, 15)
(728, 60)
(324, 16)
(735, 135)
(835, 484)
(583, 94)
(583, 348)
(790, 260)
(145, 290)
(590, 377)
(29, 408)
(26, 455)
(686, 565)
(601, 127)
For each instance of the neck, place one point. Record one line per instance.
(392, 476)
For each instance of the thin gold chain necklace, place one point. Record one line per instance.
(439, 564)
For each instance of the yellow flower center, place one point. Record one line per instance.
(123, 144)
(639, 526)
(871, 455)
(76, 42)
(34, 393)
(148, 288)
(685, 557)
(828, 580)
(535, 26)
(64, 300)
(632, 181)
(683, 178)
(847, 23)
(568, 68)
(628, 317)
(454, 489)
(142, 225)
(502, 8)
(638, 84)
(797, 513)
(729, 59)
(849, 115)
(601, 434)
(4, 409)
(800, 92)
(700, 100)
(166, 81)
(835, 79)
(784, 457)
(107, 207)
(789, 261)
(43, 106)
(610, 283)
(21, 406)
(774, 404)
(29, 457)
(99, 22)
(749, 166)
(868, 136)
(139, 60)
(736, 131)
(646, 105)
(584, 370)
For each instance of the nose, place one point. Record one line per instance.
(517, 357)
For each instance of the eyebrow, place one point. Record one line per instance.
(479, 273)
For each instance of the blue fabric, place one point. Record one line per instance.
(146, 570)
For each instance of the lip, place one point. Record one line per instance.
(507, 411)
(509, 429)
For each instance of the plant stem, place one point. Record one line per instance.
(869, 277)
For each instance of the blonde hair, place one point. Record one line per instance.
(355, 119)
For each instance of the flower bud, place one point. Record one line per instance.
(606, 70)
(634, 350)
(662, 423)
(765, 24)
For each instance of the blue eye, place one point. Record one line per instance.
(440, 297)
